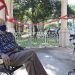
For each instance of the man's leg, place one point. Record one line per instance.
(30, 59)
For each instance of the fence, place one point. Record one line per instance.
(43, 39)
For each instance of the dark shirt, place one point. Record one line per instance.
(7, 43)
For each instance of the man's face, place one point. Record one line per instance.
(2, 22)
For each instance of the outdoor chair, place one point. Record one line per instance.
(7, 70)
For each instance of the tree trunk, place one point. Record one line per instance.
(64, 34)
(35, 31)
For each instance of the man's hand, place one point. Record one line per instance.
(6, 59)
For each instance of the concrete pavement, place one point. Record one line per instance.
(56, 61)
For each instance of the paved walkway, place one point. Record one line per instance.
(56, 61)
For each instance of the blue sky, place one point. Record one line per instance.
(71, 2)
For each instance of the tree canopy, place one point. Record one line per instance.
(38, 10)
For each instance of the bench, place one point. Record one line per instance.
(72, 37)
(7, 70)
(70, 72)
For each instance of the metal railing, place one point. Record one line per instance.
(42, 39)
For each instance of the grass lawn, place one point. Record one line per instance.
(31, 42)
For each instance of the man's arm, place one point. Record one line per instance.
(10, 43)
(1, 53)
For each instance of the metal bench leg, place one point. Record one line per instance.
(70, 72)
(4, 73)
(11, 74)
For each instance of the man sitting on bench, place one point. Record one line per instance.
(12, 55)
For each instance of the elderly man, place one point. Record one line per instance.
(13, 55)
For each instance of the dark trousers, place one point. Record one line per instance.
(31, 61)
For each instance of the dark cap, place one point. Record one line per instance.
(3, 27)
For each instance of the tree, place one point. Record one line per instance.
(37, 10)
